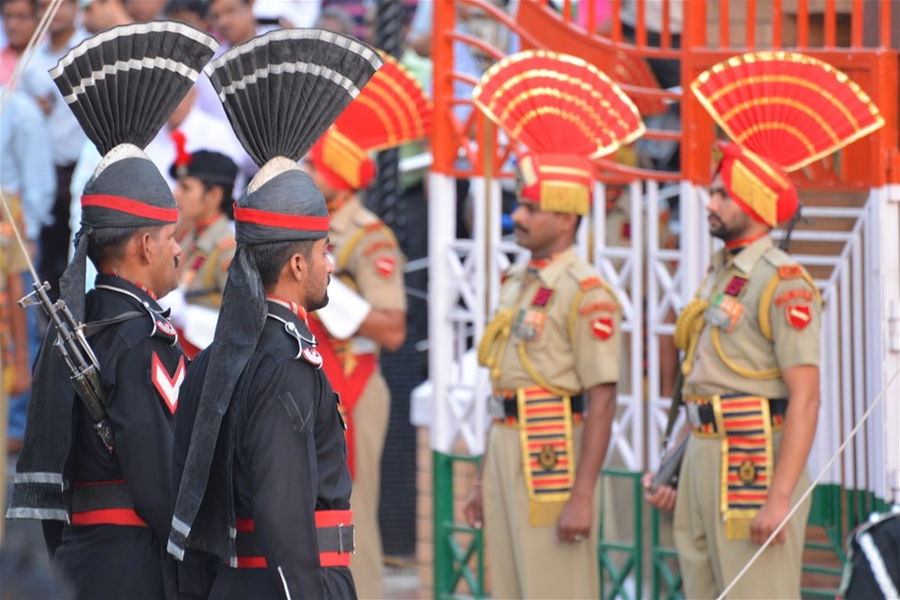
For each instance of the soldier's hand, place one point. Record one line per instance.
(574, 524)
(767, 519)
(473, 511)
(664, 496)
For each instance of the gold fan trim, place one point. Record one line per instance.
(707, 102)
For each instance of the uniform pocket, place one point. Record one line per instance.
(301, 420)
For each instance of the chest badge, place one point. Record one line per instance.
(724, 312)
(735, 286)
(602, 328)
(167, 385)
(542, 297)
(529, 324)
(166, 327)
(798, 316)
(312, 356)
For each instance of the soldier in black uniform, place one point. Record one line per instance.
(106, 504)
(259, 440)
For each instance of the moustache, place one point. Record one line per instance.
(521, 229)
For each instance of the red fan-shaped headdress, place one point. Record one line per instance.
(391, 110)
(782, 111)
(566, 112)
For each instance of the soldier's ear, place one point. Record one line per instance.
(298, 266)
(144, 245)
(215, 194)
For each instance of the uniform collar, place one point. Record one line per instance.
(747, 258)
(207, 236)
(342, 216)
(551, 271)
(280, 307)
(138, 291)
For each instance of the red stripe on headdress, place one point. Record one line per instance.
(271, 219)
(132, 207)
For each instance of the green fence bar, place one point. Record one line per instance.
(634, 552)
(451, 559)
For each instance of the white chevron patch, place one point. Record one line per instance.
(167, 386)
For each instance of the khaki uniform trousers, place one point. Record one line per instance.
(527, 561)
(709, 562)
(370, 422)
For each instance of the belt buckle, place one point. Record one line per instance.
(340, 529)
(693, 415)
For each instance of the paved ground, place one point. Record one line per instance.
(401, 582)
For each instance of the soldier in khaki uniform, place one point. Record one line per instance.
(554, 343)
(751, 338)
(367, 299)
(205, 182)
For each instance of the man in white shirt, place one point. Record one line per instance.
(66, 136)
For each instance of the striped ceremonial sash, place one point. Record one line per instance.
(746, 460)
(545, 429)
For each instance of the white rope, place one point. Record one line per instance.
(39, 32)
(809, 490)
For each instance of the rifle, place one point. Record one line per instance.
(785, 242)
(670, 466)
(71, 343)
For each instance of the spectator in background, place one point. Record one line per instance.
(66, 136)
(233, 21)
(191, 12)
(200, 130)
(20, 18)
(334, 18)
(287, 13)
(28, 180)
(100, 15)
(145, 10)
(26, 161)
(355, 10)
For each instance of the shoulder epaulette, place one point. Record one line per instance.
(379, 245)
(790, 271)
(226, 243)
(590, 283)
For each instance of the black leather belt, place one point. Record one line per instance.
(700, 415)
(511, 406)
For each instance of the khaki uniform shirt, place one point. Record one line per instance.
(208, 254)
(12, 262)
(367, 256)
(745, 360)
(566, 323)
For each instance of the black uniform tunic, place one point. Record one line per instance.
(289, 461)
(141, 368)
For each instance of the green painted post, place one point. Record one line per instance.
(450, 558)
(442, 499)
(634, 551)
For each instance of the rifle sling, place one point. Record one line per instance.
(95, 327)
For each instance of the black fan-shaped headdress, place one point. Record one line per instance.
(281, 91)
(122, 85)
